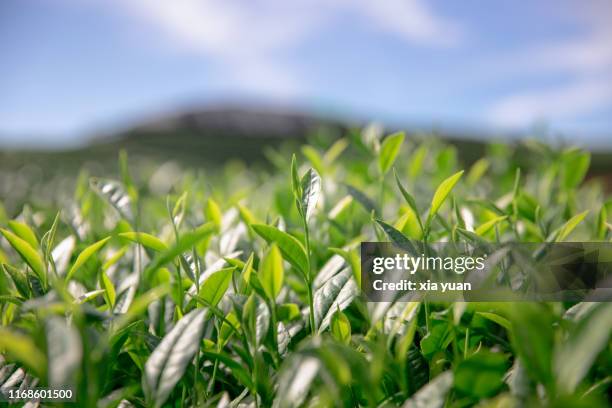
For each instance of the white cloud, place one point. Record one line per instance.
(247, 39)
(586, 59)
(410, 20)
(553, 104)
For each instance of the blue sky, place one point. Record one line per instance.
(69, 68)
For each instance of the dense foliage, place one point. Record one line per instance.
(240, 288)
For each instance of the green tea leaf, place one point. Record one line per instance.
(85, 255)
(433, 394)
(288, 311)
(186, 242)
(487, 226)
(27, 253)
(311, 189)
(602, 219)
(271, 272)
(109, 289)
(335, 150)
(416, 161)
(215, 286)
(139, 306)
(575, 166)
(574, 358)
(535, 351)
(19, 278)
(569, 226)
(314, 157)
(114, 193)
(22, 349)
(24, 232)
(179, 209)
(295, 179)
(168, 362)
(247, 269)
(365, 201)
(147, 240)
(441, 193)
(389, 150)
(398, 238)
(436, 340)
(246, 215)
(213, 212)
(237, 370)
(293, 251)
(48, 241)
(87, 296)
(502, 321)
(341, 328)
(335, 294)
(480, 375)
(478, 169)
(409, 199)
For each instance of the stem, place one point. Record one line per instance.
(178, 266)
(275, 354)
(180, 283)
(195, 377)
(313, 329)
(198, 271)
(183, 395)
(211, 384)
(308, 279)
(467, 340)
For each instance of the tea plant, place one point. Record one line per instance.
(241, 287)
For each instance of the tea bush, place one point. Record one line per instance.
(241, 287)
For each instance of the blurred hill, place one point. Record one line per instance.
(211, 136)
(201, 139)
(193, 138)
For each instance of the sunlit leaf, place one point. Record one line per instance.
(109, 288)
(441, 193)
(215, 286)
(19, 278)
(487, 226)
(271, 273)
(293, 251)
(389, 150)
(147, 240)
(213, 212)
(24, 232)
(575, 166)
(341, 327)
(570, 225)
(27, 253)
(22, 349)
(85, 255)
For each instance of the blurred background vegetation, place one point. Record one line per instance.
(202, 84)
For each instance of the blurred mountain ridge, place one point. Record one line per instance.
(217, 133)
